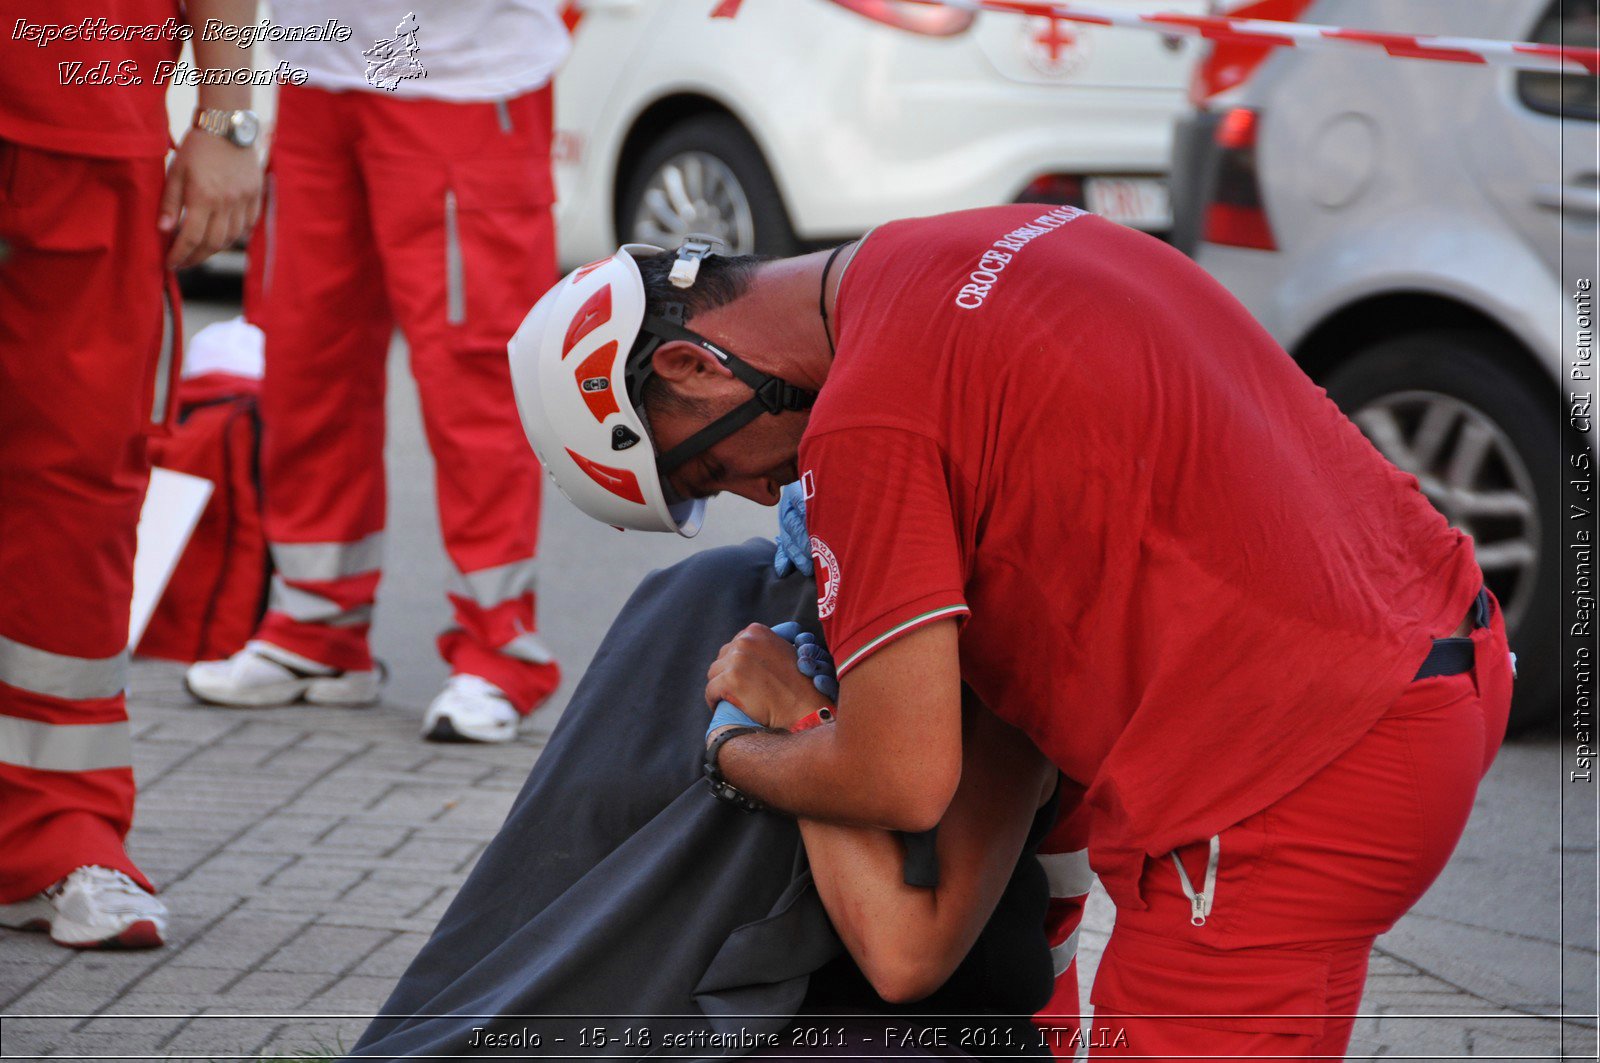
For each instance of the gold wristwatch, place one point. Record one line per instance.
(239, 128)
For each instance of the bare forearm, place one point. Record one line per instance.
(221, 54)
(905, 939)
(831, 774)
(908, 939)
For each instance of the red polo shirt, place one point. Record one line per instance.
(1177, 565)
(87, 88)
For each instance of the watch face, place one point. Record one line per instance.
(245, 126)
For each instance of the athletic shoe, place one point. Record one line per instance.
(262, 674)
(470, 709)
(92, 908)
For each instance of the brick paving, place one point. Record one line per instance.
(306, 853)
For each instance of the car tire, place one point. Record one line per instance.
(1448, 407)
(704, 174)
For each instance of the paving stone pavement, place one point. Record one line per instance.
(306, 853)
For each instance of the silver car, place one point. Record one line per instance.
(1414, 233)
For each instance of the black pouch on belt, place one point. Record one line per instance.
(1452, 656)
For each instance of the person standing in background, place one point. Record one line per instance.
(410, 184)
(92, 222)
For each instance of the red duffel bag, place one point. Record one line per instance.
(218, 591)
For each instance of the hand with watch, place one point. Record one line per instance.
(812, 662)
(213, 189)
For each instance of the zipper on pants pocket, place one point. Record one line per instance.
(1200, 903)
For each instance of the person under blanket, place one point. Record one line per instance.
(621, 894)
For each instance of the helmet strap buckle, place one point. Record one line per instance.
(695, 249)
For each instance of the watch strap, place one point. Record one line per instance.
(720, 787)
(217, 123)
(813, 719)
(220, 123)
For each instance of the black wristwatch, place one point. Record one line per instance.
(720, 787)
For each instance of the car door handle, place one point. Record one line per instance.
(1575, 199)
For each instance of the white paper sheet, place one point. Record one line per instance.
(172, 508)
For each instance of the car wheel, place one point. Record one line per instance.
(1448, 408)
(705, 175)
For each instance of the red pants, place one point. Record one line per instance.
(87, 357)
(1065, 856)
(436, 217)
(1303, 888)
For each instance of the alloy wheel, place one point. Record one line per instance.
(694, 192)
(1469, 469)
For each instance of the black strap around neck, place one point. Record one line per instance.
(822, 298)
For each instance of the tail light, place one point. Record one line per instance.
(571, 15)
(928, 20)
(1053, 188)
(1230, 63)
(1236, 216)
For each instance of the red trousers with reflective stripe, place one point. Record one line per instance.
(83, 332)
(434, 216)
(1065, 848)
(1304, 887)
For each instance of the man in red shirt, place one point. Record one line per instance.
(92, 221)
(1051, 459)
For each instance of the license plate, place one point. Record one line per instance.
(1140, 202)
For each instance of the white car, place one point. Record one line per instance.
(803, 121)
(1414, 233)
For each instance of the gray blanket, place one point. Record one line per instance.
(618, 883)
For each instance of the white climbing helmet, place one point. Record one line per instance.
(578, 366)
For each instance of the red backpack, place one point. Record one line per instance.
(218, 591)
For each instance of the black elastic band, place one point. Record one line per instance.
(772, 394)
(709, 436)
(822, 298)
(1453, 656)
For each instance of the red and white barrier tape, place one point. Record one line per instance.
(1515, 54)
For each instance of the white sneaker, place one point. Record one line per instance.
(470, 709)
(263, 674)
(92, 908)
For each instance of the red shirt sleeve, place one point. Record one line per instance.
(884, 537)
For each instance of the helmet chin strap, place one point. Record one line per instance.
(772, 394)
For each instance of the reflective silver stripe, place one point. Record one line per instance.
(1069, 873)
(270, 232)
(65, 747)
(158, 409)
(454, 272)
(491, 586)
(311, 608)
(1062, 955)
(58, 676)
(528, 647)
(321, 562)
(502, 112)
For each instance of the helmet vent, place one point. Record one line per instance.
(595, 311)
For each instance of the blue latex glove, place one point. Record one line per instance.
(813, 661)
(794, 542)
(729, 714)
